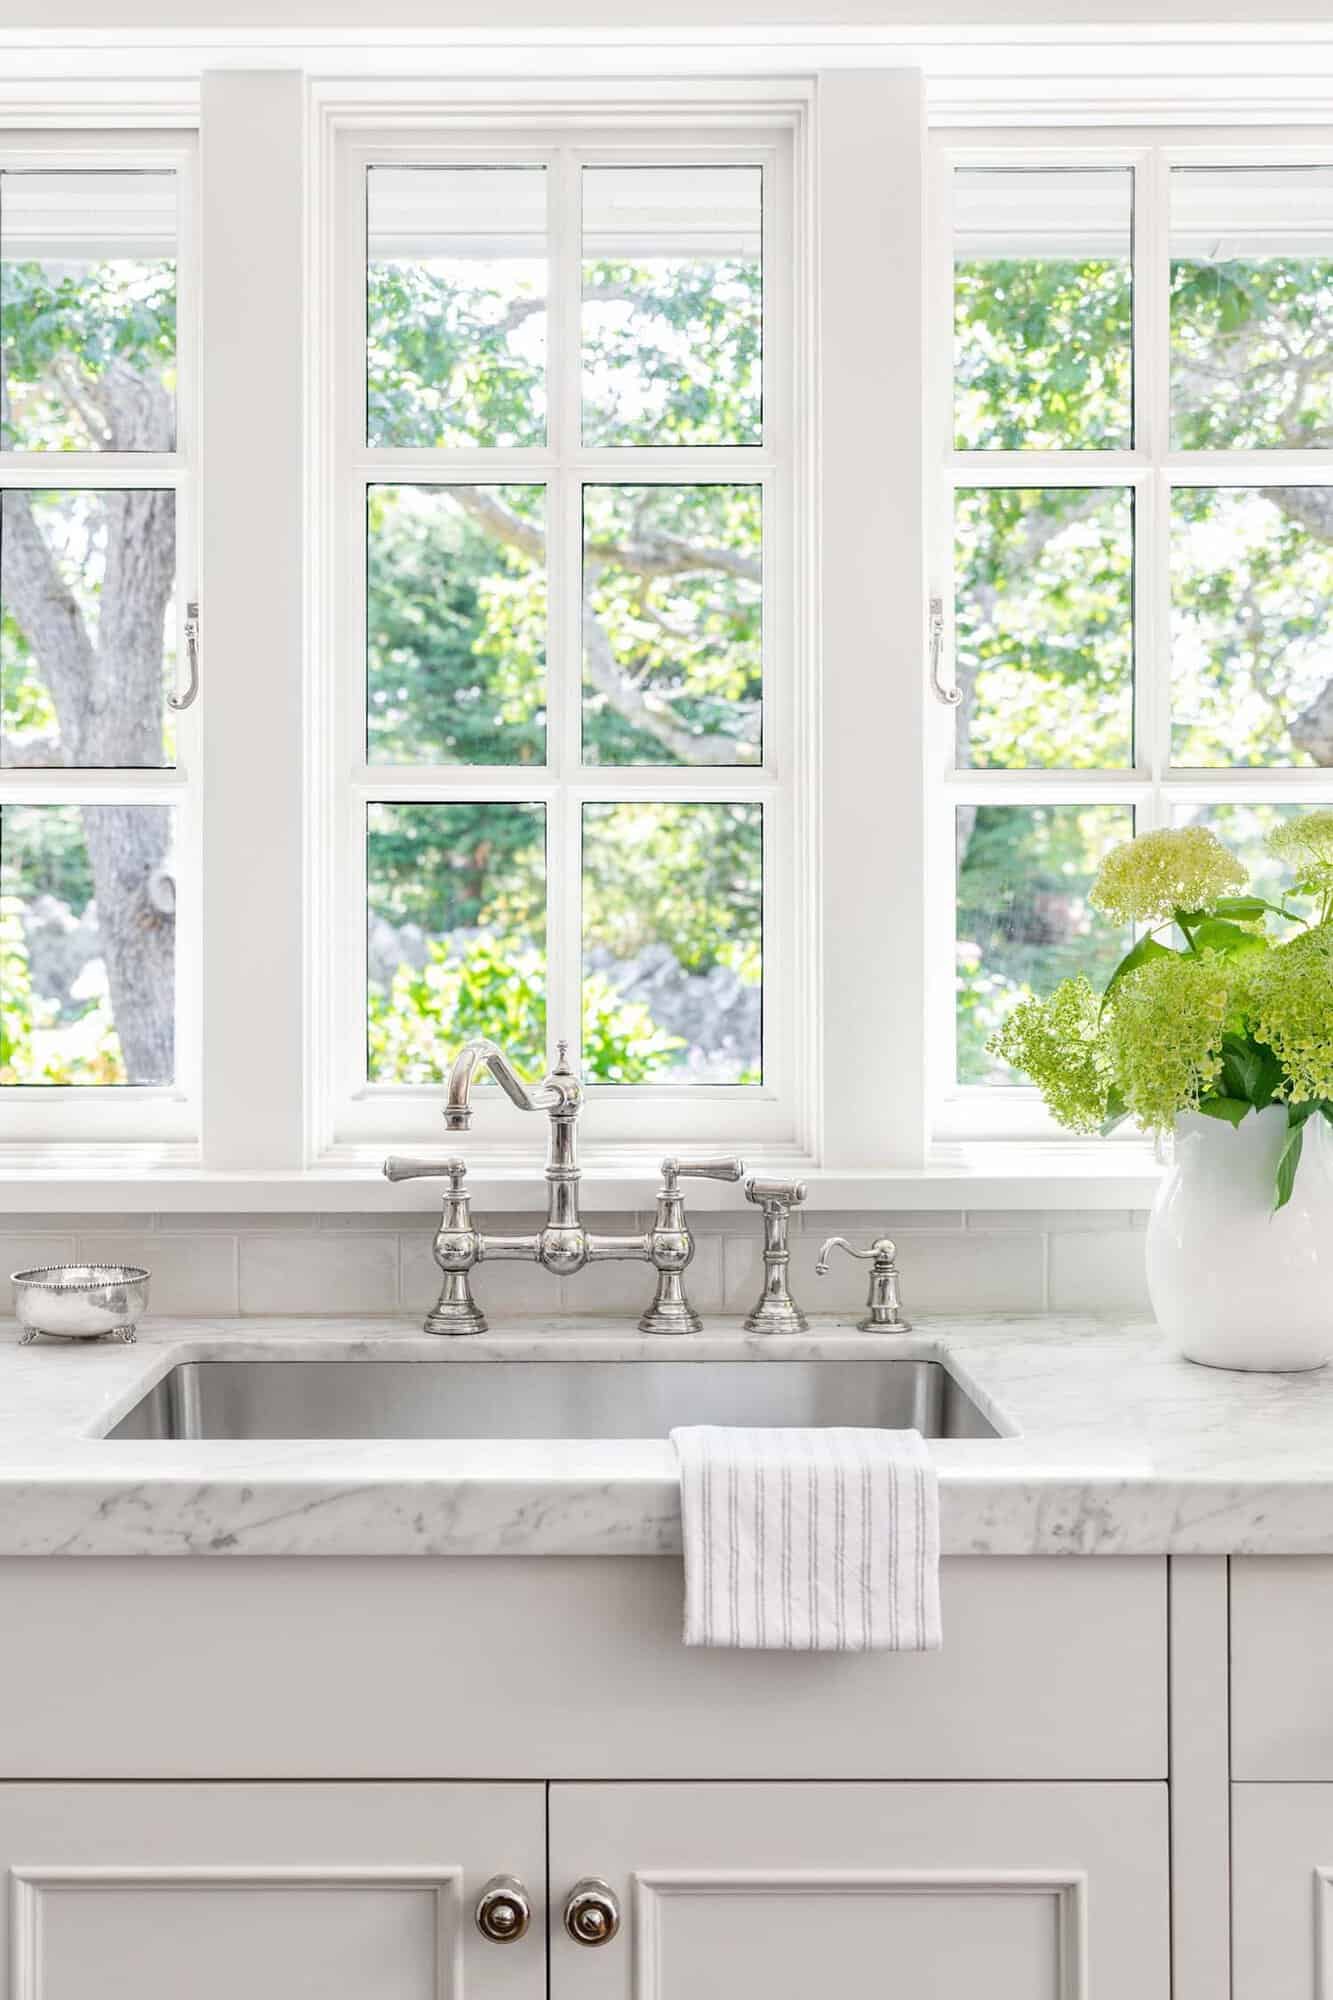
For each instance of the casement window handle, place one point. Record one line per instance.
(950, 696)
(191, 694)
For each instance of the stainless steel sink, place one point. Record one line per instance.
(544, 1399)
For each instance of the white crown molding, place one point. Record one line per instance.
(1192, 75)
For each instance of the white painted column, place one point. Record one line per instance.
(251, 260)
(870, 196)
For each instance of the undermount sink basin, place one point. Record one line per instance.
(544, 1399)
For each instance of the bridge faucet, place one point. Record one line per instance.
(563, 1246)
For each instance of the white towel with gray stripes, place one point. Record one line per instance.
(810, 1540)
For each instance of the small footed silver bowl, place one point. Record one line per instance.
(81, 1301)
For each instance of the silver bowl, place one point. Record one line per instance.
(81, 1301)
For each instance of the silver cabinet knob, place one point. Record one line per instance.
(592, 1913)
(503, 1910)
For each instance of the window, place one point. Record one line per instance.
(1138, 522)
(563, 770)
(98, 890)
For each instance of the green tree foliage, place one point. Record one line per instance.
(457, 634)
(1044, 577)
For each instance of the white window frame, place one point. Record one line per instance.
(354, 1119)
(38, 1121)
(1150, 470)
(852, 1115)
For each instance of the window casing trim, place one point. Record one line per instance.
(344, 1114)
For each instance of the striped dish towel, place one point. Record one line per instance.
(810, 1540)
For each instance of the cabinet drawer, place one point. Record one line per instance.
(1282, 1667)
(560, 1667)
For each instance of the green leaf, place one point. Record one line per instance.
(1250, 1070)
(1232, 1109)
(1117, 1111)
(1216, 934)
(1287, 1162)
(1245, 909)
(1289, 1157)
(1146, 948)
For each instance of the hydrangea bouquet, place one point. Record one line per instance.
(1232, 1021)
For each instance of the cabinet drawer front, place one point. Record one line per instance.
(149, 1892)
(1018, 1892)
(1282, 1892)
(535, 1667)
(1282, 1667)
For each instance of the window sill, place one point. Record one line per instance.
(984, 1176)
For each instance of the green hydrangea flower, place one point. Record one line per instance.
(1287, 994)
(1060, 1044)
(1305, 843)
(1177, 868)
(1164, 1031)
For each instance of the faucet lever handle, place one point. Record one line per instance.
(703, 1170)
(781, 1194)
(396, 1168)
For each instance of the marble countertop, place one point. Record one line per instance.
(1111, 1447)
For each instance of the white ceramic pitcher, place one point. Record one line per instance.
(1235, 1284)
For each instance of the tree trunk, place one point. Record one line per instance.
(108, 699)
(127, 850)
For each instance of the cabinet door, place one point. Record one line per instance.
(1282, 1892)
(1018, 1892)
(345, 1892)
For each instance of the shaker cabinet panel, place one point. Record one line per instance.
(1020, 1892)
(151, 1892)
(1281, 1661)
(1282, 1892)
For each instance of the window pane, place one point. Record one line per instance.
(87, 945)
(456, 624)
(88, 311)
(1252, 604)
(1245, 828)
(455, 936)
(87, 628)
(1044, 653)
(1024, 920)
(456, 286)
(673, 901)
(1043, 308)
(672, 613)
(1251, 307)
(672, 305)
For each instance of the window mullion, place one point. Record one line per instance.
(564, 640)
(252, 535)
(1152, 525)
(871, 332)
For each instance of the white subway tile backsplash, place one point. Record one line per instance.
(1050, 1221)
(190, 1274)
(318, 1272)
(28, 1251)
(1105, 1269)
(999, 1260)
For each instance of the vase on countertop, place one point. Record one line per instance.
(1235, 1283)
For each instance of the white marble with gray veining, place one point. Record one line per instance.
(1115, 1448)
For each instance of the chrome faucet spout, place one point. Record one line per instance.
(481, 1054)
